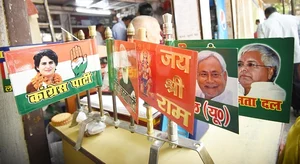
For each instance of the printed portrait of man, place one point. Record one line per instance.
(258, 69)
(124, 65)
(212, 79)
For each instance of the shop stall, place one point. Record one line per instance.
(148, 81)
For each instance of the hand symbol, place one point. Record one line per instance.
(78, 61)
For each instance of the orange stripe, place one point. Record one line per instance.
(17, 59)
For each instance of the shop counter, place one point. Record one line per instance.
(258, 142)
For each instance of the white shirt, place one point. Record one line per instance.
(225, 97)
(277, 26)
(99, 39)
(152, 28)
(267, 90)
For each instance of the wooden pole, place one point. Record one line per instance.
(11, 126)
(34, 128)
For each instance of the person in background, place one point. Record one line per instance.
(100, 37)
(145, 9)
(277, 25)
(290, 151)
(257, 22)
(149, 23)
(119, 30)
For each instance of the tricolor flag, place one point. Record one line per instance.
(46, 74)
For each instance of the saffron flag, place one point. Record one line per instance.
(126, 80)
(167, 78)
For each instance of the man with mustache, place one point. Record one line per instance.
(258, 69)
(279, 25)
(212, 78)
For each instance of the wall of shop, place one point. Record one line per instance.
(246, 14)
(12, 143)
(229, 21)
(202, 18)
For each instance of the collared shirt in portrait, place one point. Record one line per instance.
(266, 90)
(226, 97)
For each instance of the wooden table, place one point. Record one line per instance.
(257, 142)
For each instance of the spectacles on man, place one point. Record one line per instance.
(213, 74)
(250, 65)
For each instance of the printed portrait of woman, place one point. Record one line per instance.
(45, 63)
